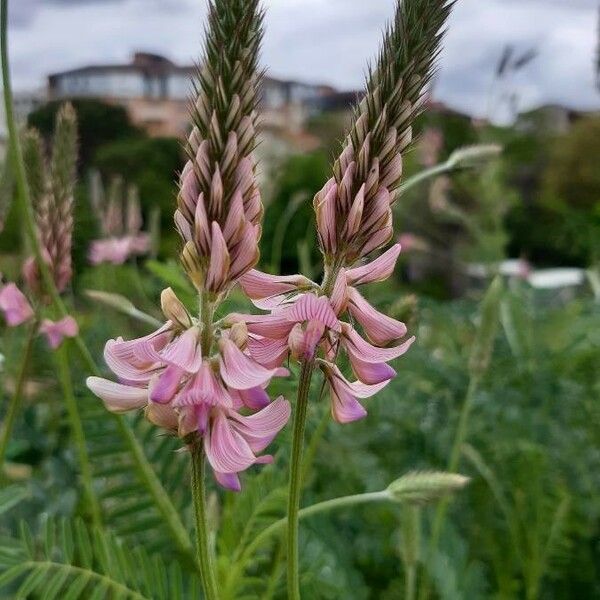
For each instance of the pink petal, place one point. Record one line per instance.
(56, 331)
(356, 346)
(345, 408)
(229, 481)
(377, 270)
(245, 253)
(116, 396)
(268, 353)
(258, 285)
(312, 336)
(218, 269)
(14, 305)
(325, 208)
(339, 294)
(201, 226)
(165, 387)
(371, 373)
(235, 218)
(203, 387)
(226, 449)
(254, 398)
(271, 326)
(184, 351)
(310, 307)
(380, 328)
(240, 371)
(260, 428)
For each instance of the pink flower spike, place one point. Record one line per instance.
(14, 305)
(117, 397)
(258, 285)
(377, 270)
(379, 328)
(238, 370)
(55, 331)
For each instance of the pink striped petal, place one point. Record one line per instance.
(325, 209)
(270, 353)
(377, 270)
(339, 294)
(245, 253)
(272, 326)
(14, 305)
(310, 307)
(260, 429)
(240, 371)
(312, 336)
(55, 332)
(226, 449)
(235, 219)
(218, 269)
(117, 397)
(203, 387)
(184, 351)
(345, 408)
(258, 285)
(355, 345)
(379, 328)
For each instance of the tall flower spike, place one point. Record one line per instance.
(219, 207)
(52, 193)
(353, 209)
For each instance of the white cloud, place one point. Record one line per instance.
(323, 40)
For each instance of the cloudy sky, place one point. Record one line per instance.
(328, 41)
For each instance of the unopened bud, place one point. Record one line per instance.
(426, 486)
(174, 310)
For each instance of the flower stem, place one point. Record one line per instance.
(327, 505)
(295, 485)
(64, 375)
(15, 402)
(207, 574)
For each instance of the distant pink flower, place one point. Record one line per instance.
(14, 305)
(55, 332)
(198, 394)
(117, 251)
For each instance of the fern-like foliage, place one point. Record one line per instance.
(70, 562)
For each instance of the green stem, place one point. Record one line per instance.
(154, 485)
(315, 509)
(64, 375)
(459, 439)
(207, 574)
(295, 485)
(425, 175)
(15, 402)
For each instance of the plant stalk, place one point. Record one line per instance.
(203, 549)
(16, 400)
(77, 433)
(295, 485)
